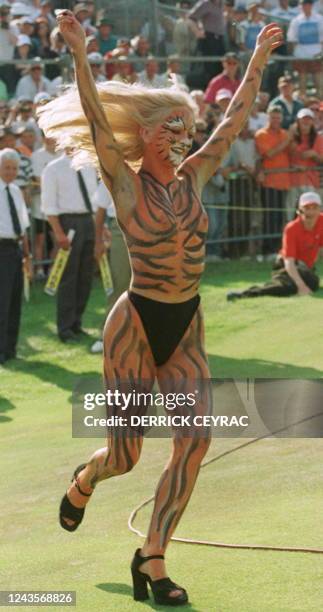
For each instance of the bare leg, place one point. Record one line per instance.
(178, 479)
(127, 358)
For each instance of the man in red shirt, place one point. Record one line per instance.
(294, 271)
(226, 80)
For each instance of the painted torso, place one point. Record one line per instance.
(166, 235)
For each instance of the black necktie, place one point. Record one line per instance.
(13, 213)
(84, 191)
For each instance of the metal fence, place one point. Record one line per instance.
(251, 221)
(129, 16)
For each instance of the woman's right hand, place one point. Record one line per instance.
(71, 30)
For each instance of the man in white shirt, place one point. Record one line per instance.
(305, 35)
(13, 224)
(173, 75)
(39, 160)
(149, 76)
(66, 200)
(33, 82)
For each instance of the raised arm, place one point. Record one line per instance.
(207, 159)
(113, 167)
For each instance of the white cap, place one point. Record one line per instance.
(95, 58)
(310, 197)
(223, 94)
(305, 112)
(29, 20)
(41, 96)
(23, 39)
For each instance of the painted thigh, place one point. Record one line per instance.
(187, 367)
(128, 366)
(186, 371)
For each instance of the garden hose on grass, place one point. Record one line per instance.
(136, 510)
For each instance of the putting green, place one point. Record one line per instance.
(267, 493)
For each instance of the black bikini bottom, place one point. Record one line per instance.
(165, 324)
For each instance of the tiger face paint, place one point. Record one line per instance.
(173, 139)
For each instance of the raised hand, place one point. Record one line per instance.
(71, 30)
(270, 37)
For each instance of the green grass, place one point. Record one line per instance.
(266, 493)
(264, 337)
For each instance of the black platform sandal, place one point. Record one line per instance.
(161, 588)
(67, 510)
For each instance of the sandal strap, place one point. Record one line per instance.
(76, 480)
(144, 559)
(166, 585)
(77, 484)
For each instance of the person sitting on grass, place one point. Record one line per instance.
(293, 271)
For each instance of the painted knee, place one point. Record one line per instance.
(122, 465)
(196, 447)
(201, 446)
(123, 458)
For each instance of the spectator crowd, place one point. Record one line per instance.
(202, 47)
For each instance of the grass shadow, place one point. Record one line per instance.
(258, 368)
(120, 588)
(55, 374)
(5, 406)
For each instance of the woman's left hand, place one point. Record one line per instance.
(270, 37)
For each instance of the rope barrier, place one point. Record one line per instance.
(300, 549)
(250, 208)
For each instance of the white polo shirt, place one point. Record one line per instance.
(307, 35)
(103, 199)
(27, 87)
(40, 159)
(60, 189)
(6, 227)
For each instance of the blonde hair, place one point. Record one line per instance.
(127, 108)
